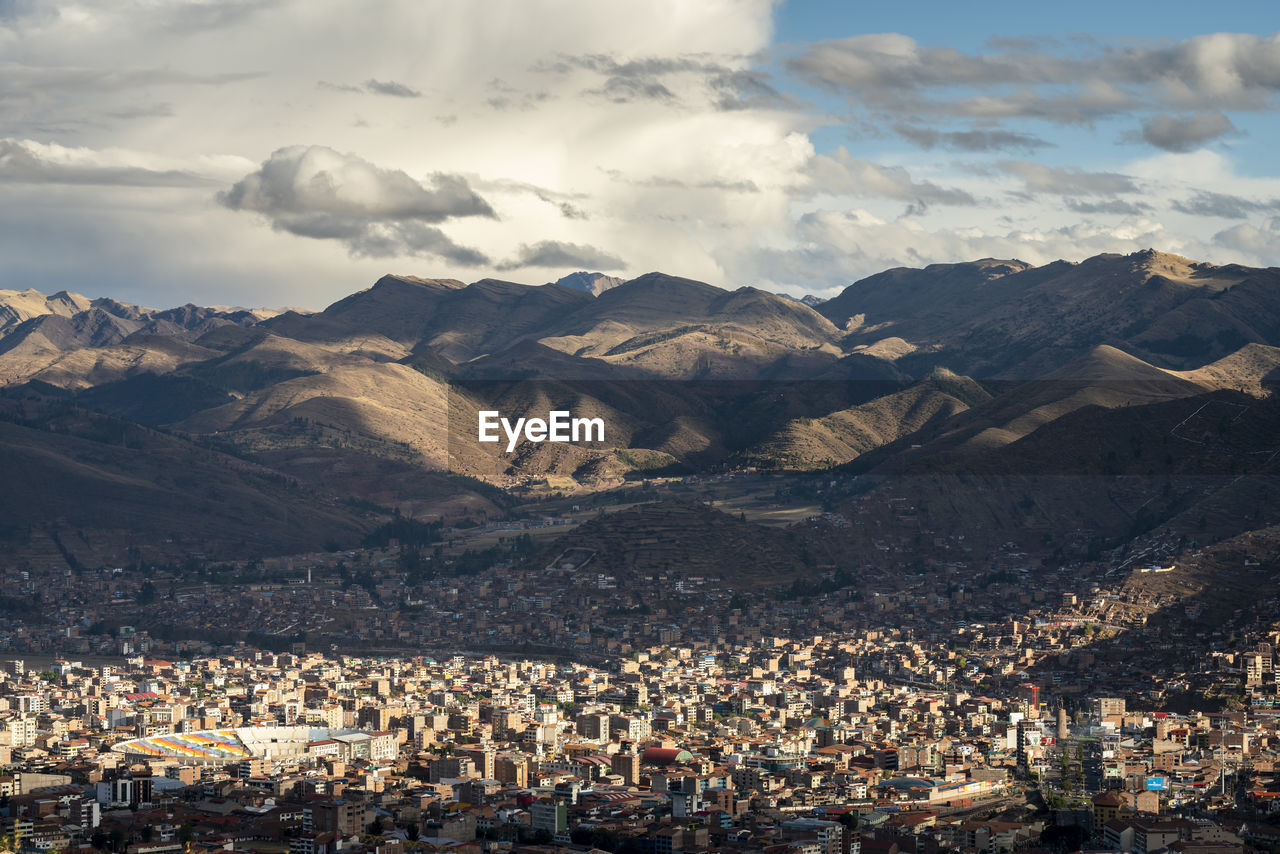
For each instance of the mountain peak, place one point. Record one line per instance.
(593, 283)
(391, 280)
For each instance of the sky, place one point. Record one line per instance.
(289, 152)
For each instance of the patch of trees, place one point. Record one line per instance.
(410, 532)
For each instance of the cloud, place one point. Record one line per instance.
(971, 140)
(555, 254)
(694, 105)
(639, 79)
(873, 66)
(566, 203)
(1183, 133)
(29, 162)
(1111, 206)
(399, 239)
(745, 185)
(1260, 242)
(836, 247)
(374, 87)
(391, 87)
(316, 192)
(34, 82)
(303, 180)
(1067, 180)
(840, 173)
(892, 74)
(749, 89)
(725, 84)
(1224, 205)
(1233, 69)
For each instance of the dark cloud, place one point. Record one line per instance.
(390, 87)
(971, 140)
(663, 182)
(624, 90)
(645, 79)
(389, 240)
(748, 90)
(1206, 203)
(564, 202)
(373, 87)
(894, 75)
(1112, 206)
(1183, 133)
(1067, 180)
(840, 173)
(523, 101)
(633, 80)
(340, 87)
(876, 67)
(29, 163)
(555, 254)
(316, 192)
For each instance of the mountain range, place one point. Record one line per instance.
(335, 418)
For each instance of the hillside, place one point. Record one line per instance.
(972, 368)
(99, 491)
(675, 540)
(1005, 318)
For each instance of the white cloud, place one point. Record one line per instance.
(838, 247)
(641, 135)
(1253, 241)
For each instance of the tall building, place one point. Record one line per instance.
(341, 817)
(484, 762)
(627, 766)
(593, 726)
(1106, 706)
(546, 814)
(512, 770)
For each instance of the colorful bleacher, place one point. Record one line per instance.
(210, 744)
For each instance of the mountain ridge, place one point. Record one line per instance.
(903, 372)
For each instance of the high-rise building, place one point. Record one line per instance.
(626, 765)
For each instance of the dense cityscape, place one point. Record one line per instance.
(639, 427)
(806, 745)
(296, 711)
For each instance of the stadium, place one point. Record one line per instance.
(226, 746)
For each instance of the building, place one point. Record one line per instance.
(548, 815)
(626, 766)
